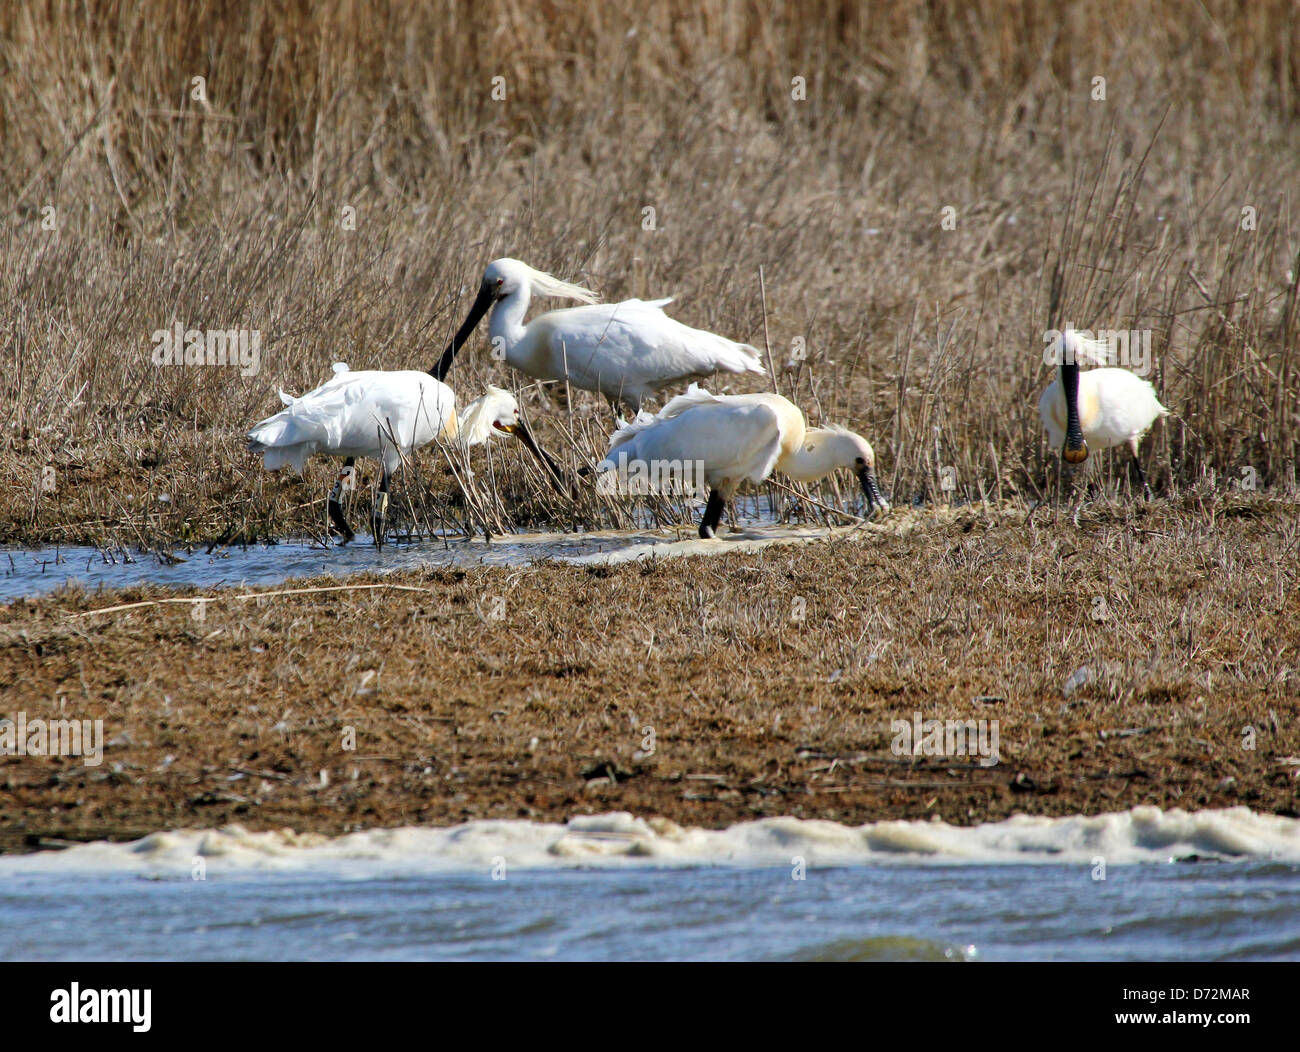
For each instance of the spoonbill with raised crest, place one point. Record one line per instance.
(626, 351)
(1097, 408)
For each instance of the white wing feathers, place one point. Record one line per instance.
(633, 347)
(349, 412)
(695, 396)
(735, 438)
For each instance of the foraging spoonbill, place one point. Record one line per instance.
(737, 437)
(626, 351)
(1097, 407)
(385, 415)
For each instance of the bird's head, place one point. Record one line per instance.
(831, 447)
(503, 411)
(506, 277)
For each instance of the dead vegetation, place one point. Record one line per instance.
(341, 175)
(337, 180)
(1134, 659)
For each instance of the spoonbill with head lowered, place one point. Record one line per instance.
(731, 438)
(385, 415)
(1097, 408)
(626, 351)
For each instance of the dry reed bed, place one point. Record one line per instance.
(227, 211)
(543, 714)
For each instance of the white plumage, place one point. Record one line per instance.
(385, 415)
(374, 413)
(738, 438)
(626, 351)
(1115, 406)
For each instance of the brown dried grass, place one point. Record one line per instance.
(759, 705)
(227, 213)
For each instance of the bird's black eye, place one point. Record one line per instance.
(501, 281)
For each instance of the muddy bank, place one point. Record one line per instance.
(1131, 659)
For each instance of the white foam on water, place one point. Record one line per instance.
(1143, 834)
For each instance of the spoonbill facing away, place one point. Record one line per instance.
(739, 437)
(627, 351)
(384, 415)
(1097, 407)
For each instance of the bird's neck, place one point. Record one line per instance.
(450, 426)
(507, 325)
(813, 458)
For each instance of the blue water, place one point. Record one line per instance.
(33, 572)
(37, 571)
(30, 572)
(1160, 912)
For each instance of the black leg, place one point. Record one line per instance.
(621, 405)
(335, 508)
(381, 509)
(1146, 490)
(712, 514)
(1061, 483)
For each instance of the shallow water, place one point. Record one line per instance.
(31, 572)
(501, 890)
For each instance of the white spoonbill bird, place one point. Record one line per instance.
(731, 438)
(1100, 408)
(384, 415)
(627, 351)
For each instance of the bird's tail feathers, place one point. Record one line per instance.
(733, 357)
(750, 360)
(293, 456)
(269, 440)
(269, 433)
(289, 428)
